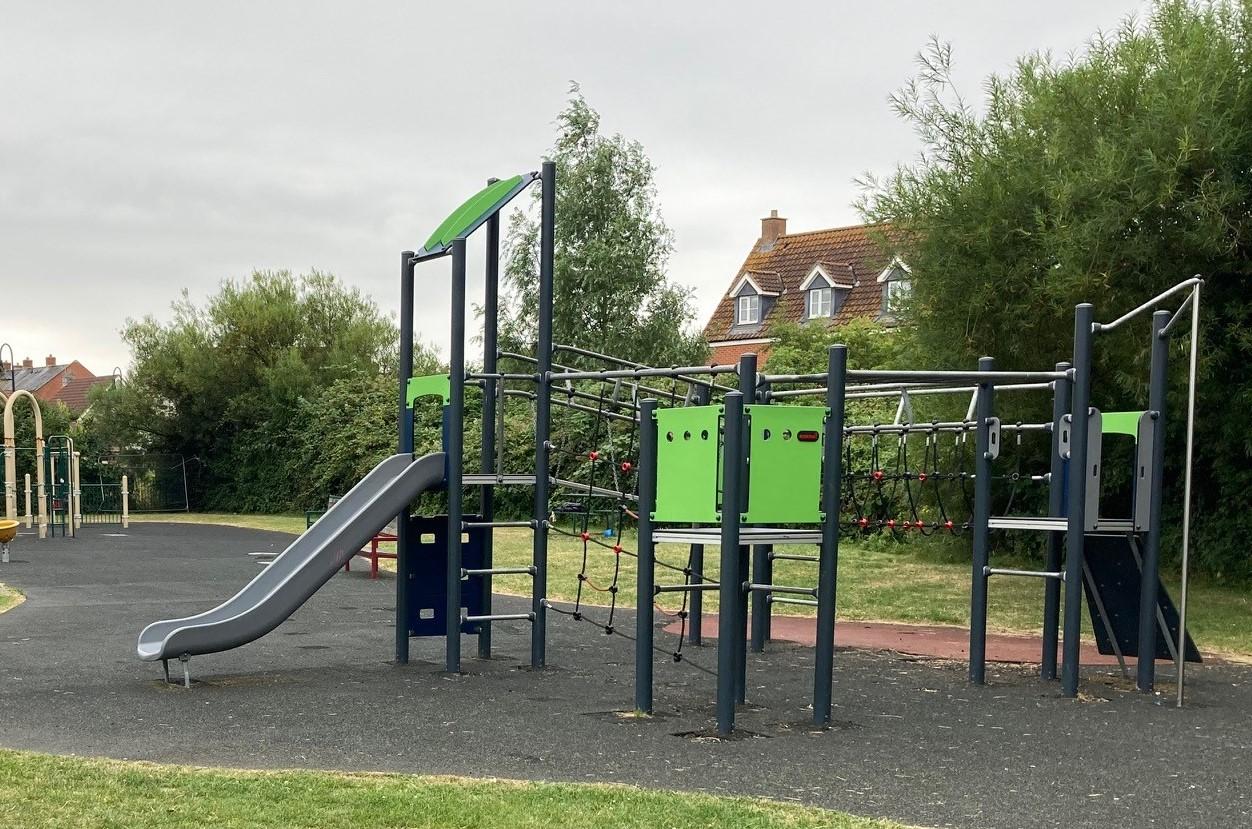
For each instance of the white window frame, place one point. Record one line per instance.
(898, 291)
(820, 302)
(748, 303)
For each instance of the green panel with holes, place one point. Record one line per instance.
(785, 464)
(688, 448)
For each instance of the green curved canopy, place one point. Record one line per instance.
(477, 209)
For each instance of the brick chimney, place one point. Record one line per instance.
(28, 363)
(49, 360)
(772, 227)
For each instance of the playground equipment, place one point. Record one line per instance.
(10, 460)
(8, 532)
(715, 460)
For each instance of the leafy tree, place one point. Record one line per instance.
(236, 383)
(1106, 177)
(612, 248)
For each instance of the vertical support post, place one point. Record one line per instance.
(646, 573)
(1189, 452)
(543, 414)
(730, 580)
(695, 604)
(455, 448)
(1084, 318)
(405, 444)
(1150, 570)
(762, 570)
(747, 387)
(1061, 393)
(125, 502)
(491, 389)
(828, 556)
(29, 515)
(983, 409)
(76, 489)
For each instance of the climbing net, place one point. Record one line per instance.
(608, 473)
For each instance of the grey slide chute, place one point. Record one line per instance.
(300, 570)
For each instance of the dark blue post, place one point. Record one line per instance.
(762, 569)
(730, 581)
(646, 573)
(405, 429)
(695, 614)
(1061, 394)
(981, 528)
(828, 556)
(455, 445)
(1084, 317)
(1149, 571)
(747, 387)
(543, 416)
(487, 459)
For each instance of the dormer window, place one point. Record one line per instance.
(748, 309)
(819, 302)
(897, 289)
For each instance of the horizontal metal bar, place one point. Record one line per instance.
(791, 557)
(977, 377)
(594, 490)
(487, 525)
(868, 392)
(747, 536)
(1111, 526)
(608, 358)
(501, 617)
(901, 428)
(782, 588)
(786, 600)
(1008, 571)
(478, 375)
(500, 479)
(498, 571)
(1151, 303)
(685, 588)
(634, 373)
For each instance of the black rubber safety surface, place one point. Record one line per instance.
(912, 740)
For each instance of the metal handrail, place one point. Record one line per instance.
(1150, 304)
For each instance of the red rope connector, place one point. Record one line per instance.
(617, 549)
(586, 536)
(921, 477)
(921, 525)
(864, 522)
(891, 523)
(948, 524)
(878, 475)
(626, 466)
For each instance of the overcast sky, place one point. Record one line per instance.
(150, 147)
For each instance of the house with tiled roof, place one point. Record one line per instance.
(68, 383)
(818, 277)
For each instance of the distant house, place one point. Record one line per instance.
(69, 383)
(820, 277)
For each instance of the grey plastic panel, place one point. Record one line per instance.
(1145, 472)
(300, 570)
(1095, 462)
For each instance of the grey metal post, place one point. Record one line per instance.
(695, 604)
(543, 416)
(1084, 316)
(730, 580)
(981, 528)
(455, 445)
(1150, 571)
(487, 458)
(1061, 393)
(404, 428)
(646, 572)
(828, 560)
(747, 387)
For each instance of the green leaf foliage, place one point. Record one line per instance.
(1106, 177)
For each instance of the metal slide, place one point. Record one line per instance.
(308, 563)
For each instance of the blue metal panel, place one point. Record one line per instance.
(427, 539)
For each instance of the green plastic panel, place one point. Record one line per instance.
(785, 464)
(432, 385)
(477, 209)
(1121, 423)
(688, 449)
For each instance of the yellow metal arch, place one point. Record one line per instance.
(10, 460)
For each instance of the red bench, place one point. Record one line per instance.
(373, 554)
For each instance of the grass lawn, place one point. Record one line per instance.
(912, 583)
(9, 598)
(41, 791)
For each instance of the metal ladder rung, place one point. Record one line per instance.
(782, 588)
(486, 525)
(785, 600)
(1039, 574)
(684, 588)
(500, 617)
(497, 571)
(791, 557)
